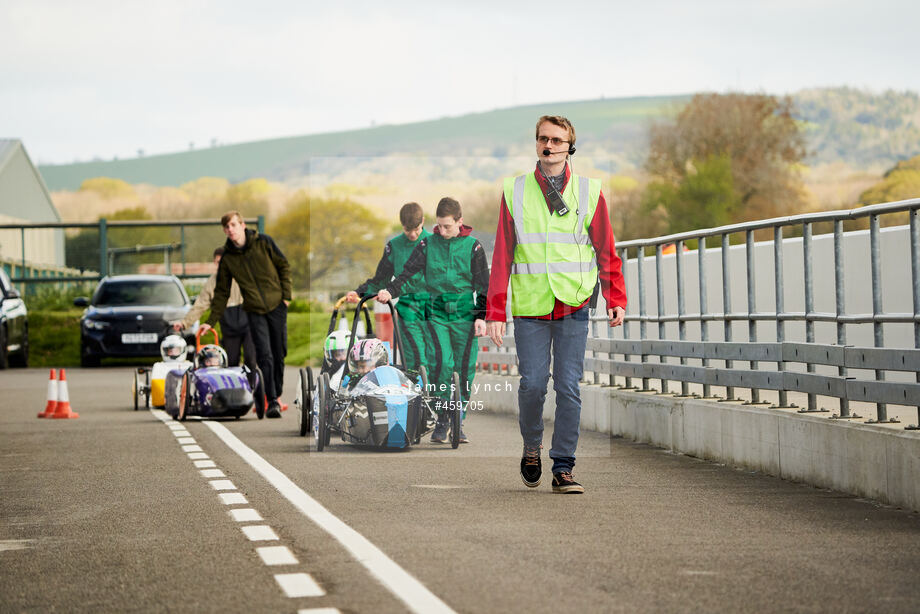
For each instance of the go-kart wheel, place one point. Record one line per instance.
(185, 397)
(258, 393)
(456, 412)
(305, 400)
(322, 418)
(147, 391)
(135, 389)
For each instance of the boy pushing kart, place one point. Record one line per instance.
(456, 279)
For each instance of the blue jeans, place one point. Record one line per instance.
(565, 341)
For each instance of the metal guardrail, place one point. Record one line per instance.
(105, 252)
(718, 361)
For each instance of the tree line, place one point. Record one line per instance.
(718, 160)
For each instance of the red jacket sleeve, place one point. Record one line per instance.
(609, 266)
(502, 258)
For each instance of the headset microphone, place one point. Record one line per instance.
(570, 151)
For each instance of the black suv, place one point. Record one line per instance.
(14, 326)
(129, 315)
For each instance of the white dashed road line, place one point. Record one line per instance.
(277, 555)
(259, 533)
(293, 585)
(245, 514)
(233, 498)
(298, 585)
(397, 580)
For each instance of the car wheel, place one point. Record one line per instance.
(87, 359)
(22, 358)
(4, 354)
(456, 412)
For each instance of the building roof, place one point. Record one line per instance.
(12, 150)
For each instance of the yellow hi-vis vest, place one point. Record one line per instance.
(553, 257)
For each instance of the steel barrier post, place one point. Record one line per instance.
(596, 376)
(182, 247)
(727, 307)
(840, 302)
(626, 357)
(704, 306)
(808, 261)
(662, 333)
(103, 248)
(780, 303)
(752, 301)
(640, 260)
(881, 409)
(681, 324)
(915, 278)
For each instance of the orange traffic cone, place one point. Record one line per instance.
(52, 397)
(62, 410)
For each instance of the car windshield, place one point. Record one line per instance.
(118, 293)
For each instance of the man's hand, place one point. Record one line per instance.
(479, 328)
(177, 326)
(287, 303)
(496, 331)
(615, 316)
(352, 297)
(203, 329)
(383, 296)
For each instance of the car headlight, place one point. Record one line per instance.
(95, 324)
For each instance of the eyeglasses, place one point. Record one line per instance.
(543, 140)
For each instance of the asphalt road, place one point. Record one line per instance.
(111, 513)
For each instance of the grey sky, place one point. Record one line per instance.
(105, 78)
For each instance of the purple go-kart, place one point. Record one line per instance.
(211, 389)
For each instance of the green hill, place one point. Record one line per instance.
(861, 128)
(615, 125)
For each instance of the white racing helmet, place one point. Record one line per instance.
(173, 348)
(366, 355)
(336, 346)
(211, 356)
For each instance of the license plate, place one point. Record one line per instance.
(139, 338)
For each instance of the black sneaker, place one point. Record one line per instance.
(440, 431)
(274, 410)
(531, 467)
(565, 485)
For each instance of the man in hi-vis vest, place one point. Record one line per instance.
(554, 243)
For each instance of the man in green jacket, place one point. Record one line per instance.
(457, 279)
(414, 297)
(263, 275)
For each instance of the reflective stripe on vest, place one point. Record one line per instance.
(553, 255)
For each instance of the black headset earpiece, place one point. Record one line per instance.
(572, 150)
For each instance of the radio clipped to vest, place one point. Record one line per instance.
(553, 197)
(556, 202)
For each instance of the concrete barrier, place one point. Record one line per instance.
(873, 461)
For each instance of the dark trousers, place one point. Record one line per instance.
(232, 344)
(269, 333)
